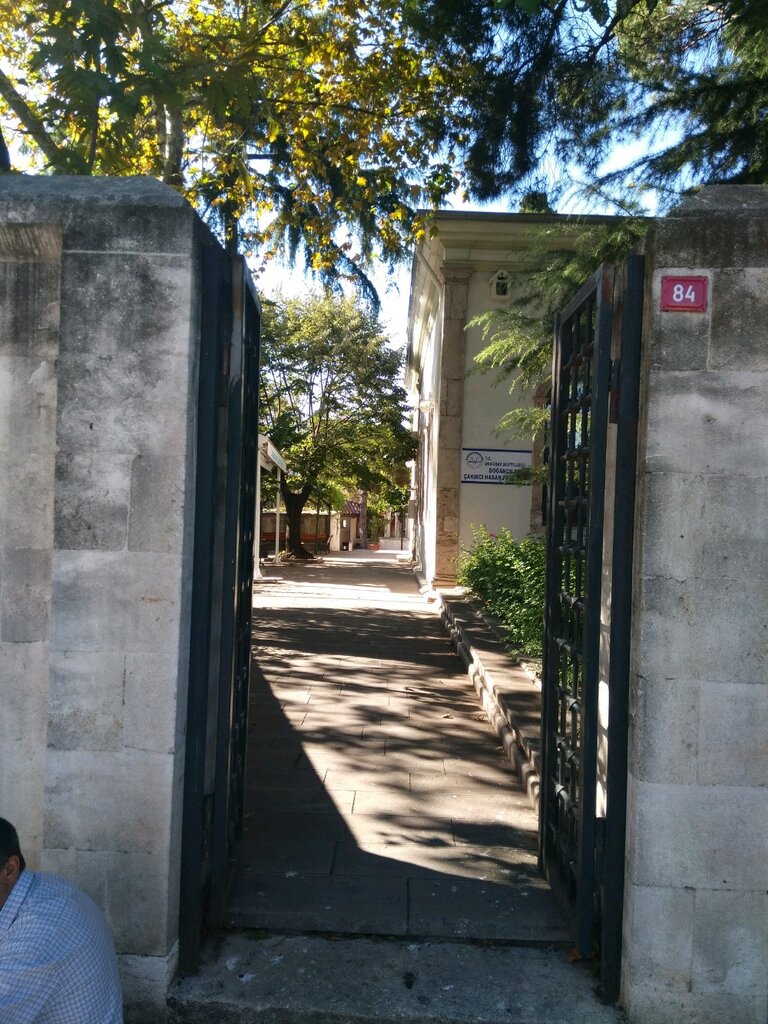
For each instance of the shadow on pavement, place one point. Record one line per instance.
(379, 801)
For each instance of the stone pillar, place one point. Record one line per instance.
(696, 906)
(96, 561)
(456, 277)
(30, 260)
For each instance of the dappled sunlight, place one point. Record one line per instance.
(379, 799)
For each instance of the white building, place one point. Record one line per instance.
(472, 262)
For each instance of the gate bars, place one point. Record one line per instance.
(594, 384)
(222, 581)
(237, 591)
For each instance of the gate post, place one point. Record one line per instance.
(696, 907)
(100, 296)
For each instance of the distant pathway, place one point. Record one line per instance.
(379, 801)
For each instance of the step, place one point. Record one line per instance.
(305, 979)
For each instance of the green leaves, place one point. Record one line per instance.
(330, 395)
(518, 349)
(507, 575)
(293, 127)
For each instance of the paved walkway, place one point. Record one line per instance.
(379, 801)
(379, 805)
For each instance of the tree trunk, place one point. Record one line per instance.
(5, 156)
(294, 506)
(174, 149)
(364, 520)
(59, 159)
(317, 524)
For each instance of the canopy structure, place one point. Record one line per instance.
(271, 460)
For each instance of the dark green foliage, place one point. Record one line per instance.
(331, 401)
(507, 575)
(571, 80)
(518, 340)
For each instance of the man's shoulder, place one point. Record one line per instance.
(59, 943)
(45, 888)
(53, 904)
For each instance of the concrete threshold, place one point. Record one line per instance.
(290, 979)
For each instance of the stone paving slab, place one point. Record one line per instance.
(311, 856)
(296, 826)
(364, 782)
(383, 802)
(437, 863)
(306, 902)
(301, 799)
(401, 829)
(462, 908)
(438, 800)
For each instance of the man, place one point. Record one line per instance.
(57, 960)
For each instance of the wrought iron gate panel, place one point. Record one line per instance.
(594, 390)
(237, 590)
(624, 412)
(197, 821)
(581, 370)
(220, 637)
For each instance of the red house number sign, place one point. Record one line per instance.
(685, 293)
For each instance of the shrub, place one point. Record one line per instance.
(507, 575)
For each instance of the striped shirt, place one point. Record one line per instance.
(57, 959)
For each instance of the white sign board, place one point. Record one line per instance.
(491, 465)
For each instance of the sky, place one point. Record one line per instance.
(394, 286)
(393, 289)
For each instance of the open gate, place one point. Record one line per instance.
(222, 594)
(588, 606)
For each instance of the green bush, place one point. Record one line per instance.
(507, 575)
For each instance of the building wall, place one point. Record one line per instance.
(426, 330)
(494, 506)
(451, 284)
(98, 374)
(696, 898)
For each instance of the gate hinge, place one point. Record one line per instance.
(613, 391)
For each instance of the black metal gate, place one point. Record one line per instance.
(222, 584)
(587, 621)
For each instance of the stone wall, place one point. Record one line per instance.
(99, 334)
(29, 348)
(696, 909)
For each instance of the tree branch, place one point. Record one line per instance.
(174, 148)
(5, 156)
(60, 158)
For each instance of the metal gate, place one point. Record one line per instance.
(588, 597)
(222, 585)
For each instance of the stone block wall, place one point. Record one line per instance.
(29, 348)
(99, 335)
(696, 907)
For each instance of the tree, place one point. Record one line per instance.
(330, 400)
(324, 126)
(289, 124)
(564, 82)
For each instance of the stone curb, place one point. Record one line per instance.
(509, 690)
